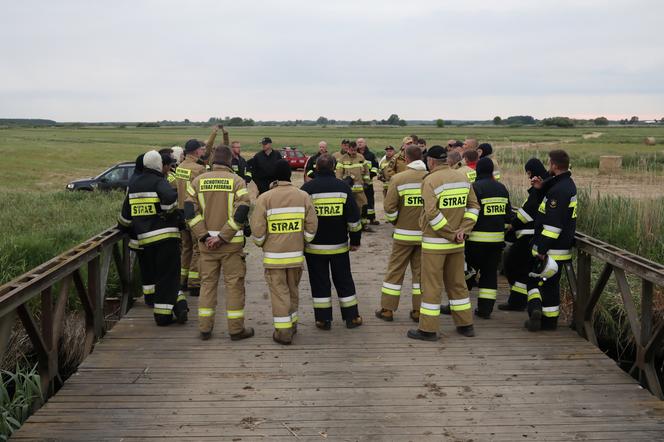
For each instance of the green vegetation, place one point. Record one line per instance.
(18, 393)
(35, 227)
(45, 159)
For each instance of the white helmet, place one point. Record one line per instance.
(546, 269)
(177, 154)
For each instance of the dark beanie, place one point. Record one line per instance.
(487, 149)
(138, 166)
(536, 168)
(282, 170)
(484, 167)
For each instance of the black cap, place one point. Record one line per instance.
(389, 147)
(266, 140)
(437, 153)
(344, 141)
(192, 145)
(486, 149)
(536, 168)
(282, 170)
(457, 143)
(138, 166)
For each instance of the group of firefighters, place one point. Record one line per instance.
(188, 211)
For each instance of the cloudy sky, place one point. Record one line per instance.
(143, 60)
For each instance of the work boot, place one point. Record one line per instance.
(354, 323)
(324, 325)
(422, 335)
(181, 315)
(367, 229)
(507, 307)
(534, 323)
(466, 330)
(374, 222)
(549, 323)
(415, 315)
(385, 314)
(248, 332)
(279, 338)
(205, 336)
(194, 291)
(149, 299)
(445, 309)
(483, 315)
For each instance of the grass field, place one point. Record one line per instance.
(46, 159)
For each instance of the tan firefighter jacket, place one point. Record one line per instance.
(403, 204)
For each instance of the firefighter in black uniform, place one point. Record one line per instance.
(553, 238)
(239, 164)
(518, 259)
(370, 157)
(263, 166)
(338, 218)
(150, 212)
(310, 167)
(485, 243)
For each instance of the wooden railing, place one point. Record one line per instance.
(85, 268)
(648, 335)
(52, 281)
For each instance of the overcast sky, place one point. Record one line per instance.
(142, 60)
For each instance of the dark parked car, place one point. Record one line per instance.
(116, 177)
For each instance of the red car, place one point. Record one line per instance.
(295, 158)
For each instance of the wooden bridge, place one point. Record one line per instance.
(371, 383)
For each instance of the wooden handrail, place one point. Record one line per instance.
(619, 263)
(64, 272)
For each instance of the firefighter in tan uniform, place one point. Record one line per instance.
(382, 165)
(283, 219)
(455, 161)
(343, 150)
(450, 212)
(190, 168)
(354, 170)
(398, 162)
(217, 209)
(403, 208)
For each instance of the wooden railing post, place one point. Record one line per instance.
(583, 263)
(94, 294)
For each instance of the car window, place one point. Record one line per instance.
(115, 175)
(299, 154)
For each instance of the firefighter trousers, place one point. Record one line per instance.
(147, 277)
(232, 264)
(163, 260)
(361, 200)
(402, 255)
(285, 297)
(545, 296)
(371, 210)
(436, 270)
(484, 258)
(518, 263)
(320, 267)
(189, 274)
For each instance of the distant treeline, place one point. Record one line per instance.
(26, 122)
(392, 120)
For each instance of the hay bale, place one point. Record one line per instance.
(610, 164)
(649, 141)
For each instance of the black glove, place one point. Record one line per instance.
(241, 214)
(348, 180)
(247, 231)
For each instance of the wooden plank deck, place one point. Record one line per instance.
(371, 383)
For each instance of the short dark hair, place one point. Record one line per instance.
(325, 162)
(352, 144)
(222, 155)
(423, 141)
(560, 158)
(471, 155)
(166, 151)
(413, 152)
(415, 138)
